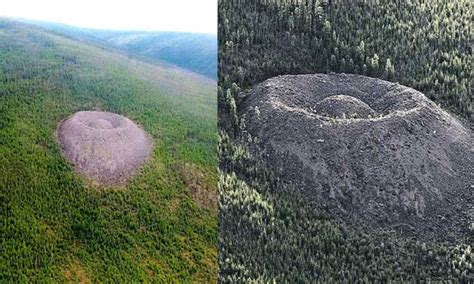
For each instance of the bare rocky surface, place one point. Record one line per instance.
(103, 146)
(376, 154)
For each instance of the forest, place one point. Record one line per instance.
(57, 226)
(192, 51)
(268, 233)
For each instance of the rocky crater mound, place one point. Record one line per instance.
(103, 146)
(342, 106)
(376, 154)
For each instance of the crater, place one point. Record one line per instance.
(103, 146)
(101, 124)
(377, 154)
(100, 120)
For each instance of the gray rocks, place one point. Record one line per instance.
(103, 146)
(390, 159)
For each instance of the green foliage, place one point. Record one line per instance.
(268, 233)
(427, 44)
(57, 226)
(422, 44)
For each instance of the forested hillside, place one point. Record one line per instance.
(192, 51)
(56, 226)
(267, 232)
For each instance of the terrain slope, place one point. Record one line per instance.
(58, 226)
(193, 51)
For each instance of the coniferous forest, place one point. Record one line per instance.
(57, 226)
(344, 154)
(269, 233)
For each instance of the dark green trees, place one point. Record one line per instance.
(425, 45)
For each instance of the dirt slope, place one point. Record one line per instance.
(374, 153)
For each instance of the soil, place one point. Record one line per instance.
(376, 154)
(103, 146)
(202, 191)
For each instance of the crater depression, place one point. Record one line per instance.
(374, 153)
(103, 146)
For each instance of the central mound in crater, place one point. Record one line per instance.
(342, 106)
(103, 146)
(374, 153)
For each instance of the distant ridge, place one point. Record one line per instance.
(193, 51)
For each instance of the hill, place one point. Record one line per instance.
(193, 51)
(378, 155)
(57, 226)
